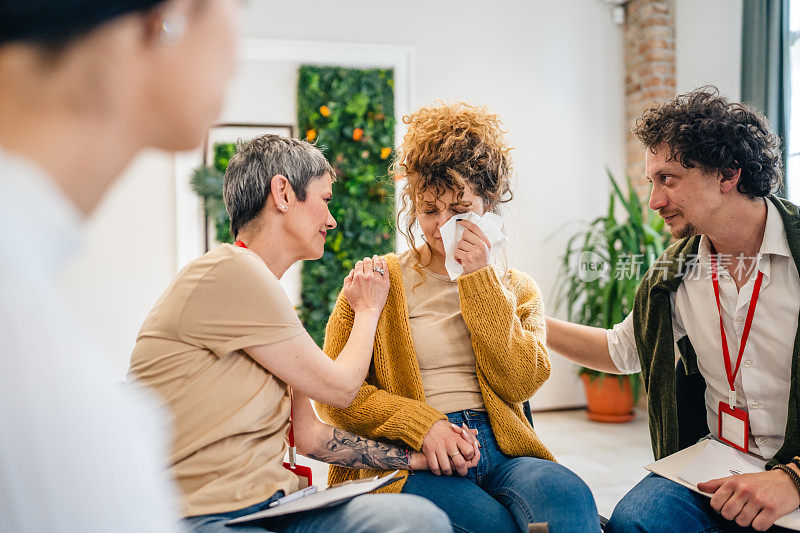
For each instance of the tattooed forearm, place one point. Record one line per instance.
(352, 451)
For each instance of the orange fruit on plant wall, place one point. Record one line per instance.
(311, 135)
(324, 111)
(385, 152)
(357, 134)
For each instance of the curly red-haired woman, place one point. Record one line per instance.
(455, 357)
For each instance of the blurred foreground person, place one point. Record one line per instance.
(85, 86)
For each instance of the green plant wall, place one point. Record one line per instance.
(349, 113)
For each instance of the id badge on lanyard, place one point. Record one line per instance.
(302, 472)
(733, 423)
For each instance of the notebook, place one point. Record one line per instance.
(332, 496)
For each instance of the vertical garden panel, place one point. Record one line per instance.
(349, 113)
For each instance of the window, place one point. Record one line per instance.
(793, 163)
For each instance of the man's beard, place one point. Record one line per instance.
(688, 230)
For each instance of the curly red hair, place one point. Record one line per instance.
(450, 147)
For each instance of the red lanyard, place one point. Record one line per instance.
(745, 333)
(292, 448)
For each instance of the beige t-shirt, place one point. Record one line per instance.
(441, 339)
(230, 414)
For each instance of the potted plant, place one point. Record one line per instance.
(207, 183)
(600, 272)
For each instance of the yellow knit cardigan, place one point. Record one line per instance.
(506, 323)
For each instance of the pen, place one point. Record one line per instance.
(294, 496)
(353, 481)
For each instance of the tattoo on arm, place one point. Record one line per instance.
(352, 451)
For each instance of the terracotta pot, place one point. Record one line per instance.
(608, 398)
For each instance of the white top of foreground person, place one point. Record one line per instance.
(77, 452)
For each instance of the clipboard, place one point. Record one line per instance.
(672, 466)
(330, 497)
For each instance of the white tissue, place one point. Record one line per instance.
(490, 223)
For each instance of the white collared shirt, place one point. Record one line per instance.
(763, 381)
(78, 453)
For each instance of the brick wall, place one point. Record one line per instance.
(649, 70)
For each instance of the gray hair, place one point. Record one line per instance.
(247, 180)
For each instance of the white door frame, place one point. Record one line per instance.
(188, 208)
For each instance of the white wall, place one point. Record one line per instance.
(552, 70)
(128, 256)
(708, 45)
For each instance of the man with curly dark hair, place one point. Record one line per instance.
(728, 292)
(729, 141)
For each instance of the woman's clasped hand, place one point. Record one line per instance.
(450, 448)
(367, 285)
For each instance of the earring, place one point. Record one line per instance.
(416, 227)
(282, 207)
(173, 29)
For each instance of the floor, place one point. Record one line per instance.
(609, 457)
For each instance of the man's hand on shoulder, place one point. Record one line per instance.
(755, 500)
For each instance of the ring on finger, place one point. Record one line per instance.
(379, 270)
(452, 455)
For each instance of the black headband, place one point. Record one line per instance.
(45, 21)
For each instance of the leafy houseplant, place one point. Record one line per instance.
(207, 183)
(601, 270)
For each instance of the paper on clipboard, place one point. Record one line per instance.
(706, 458)
(326, 498)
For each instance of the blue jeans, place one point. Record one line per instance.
(505, 493)
(371, 513)
(657, 504)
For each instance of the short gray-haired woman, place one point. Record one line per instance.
(223, 347)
